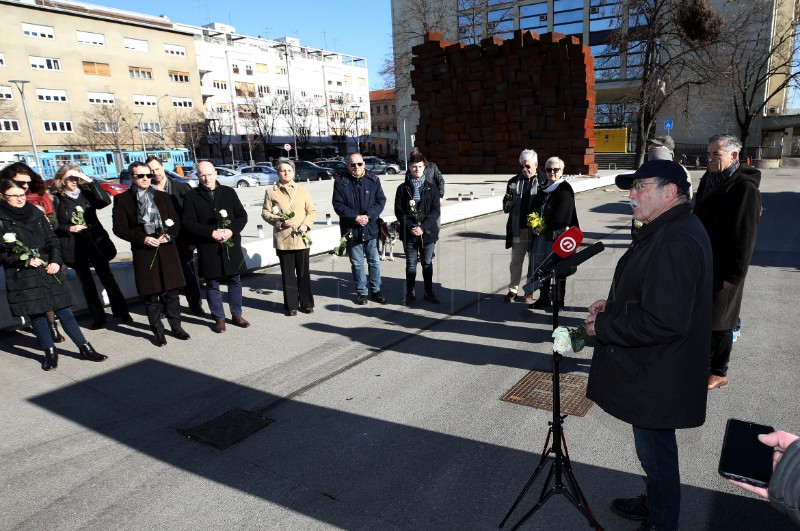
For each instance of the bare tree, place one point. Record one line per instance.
(186, 128)
(264, 125)
(304, 120)
(220, 130)
(105, 127)
(7, 110)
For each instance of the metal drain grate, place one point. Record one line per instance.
(536, 390)
(227, 429)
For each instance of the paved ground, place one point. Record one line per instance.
(385, 417)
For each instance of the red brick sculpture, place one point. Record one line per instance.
(480, 105)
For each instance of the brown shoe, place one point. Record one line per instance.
(510, 297)
(240, 321)
(528, 298)
(219, 326)
(715, 382)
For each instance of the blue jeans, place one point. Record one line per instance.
(214, 296)
(68, 324)
(658, 453)
(412, 250)
(356, 251)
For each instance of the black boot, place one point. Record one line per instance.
(543, 302)
(57, 337)
(89, 353)
(50, 359)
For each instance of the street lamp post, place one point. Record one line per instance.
(138, 116)
(158, 111)
(356, 112)
(20, 84)
(286, 53)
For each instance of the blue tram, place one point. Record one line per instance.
(103, 164)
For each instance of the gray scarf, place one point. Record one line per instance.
(147, 212)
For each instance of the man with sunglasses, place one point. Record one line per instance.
(649, 367)
(358, 200)
(518, 203)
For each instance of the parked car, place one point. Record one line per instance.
(308, 171)
(265, 175)
(111, 187)
(267, 163)
(190, 180)
(234, 178)
(378, 165)
(337, 166)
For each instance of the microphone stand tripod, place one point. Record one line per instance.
(561, 467)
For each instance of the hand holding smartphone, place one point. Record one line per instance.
(744, 458)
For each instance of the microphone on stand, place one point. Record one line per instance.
(564, 246)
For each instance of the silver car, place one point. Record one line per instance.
(265, 175)
(234, 178)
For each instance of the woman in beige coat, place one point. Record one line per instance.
(288, 207)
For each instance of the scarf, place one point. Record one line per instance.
(21, 214)
(147, 213)
(73, 194)
(553, 186)
(417, 184)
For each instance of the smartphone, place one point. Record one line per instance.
(744, 458)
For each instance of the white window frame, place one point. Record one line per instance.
(39, 31)
(101, 98)
(105, 127)
(58, 126)
(136, 45)
(144, 100)
(6, 93)
(51, 95)
(187, 103)
(2, 59)
(91, 38)
(220, 84)
(179, 77)
(9, 126)
(140, 72)
(44, 63)
(174, 49)
(150, 127)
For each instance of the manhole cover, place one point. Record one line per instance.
(227, 429)
(536, 390)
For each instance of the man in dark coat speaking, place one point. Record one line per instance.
(653, 332)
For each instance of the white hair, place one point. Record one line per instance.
(730, 143)
(529, 154)
(556, 160)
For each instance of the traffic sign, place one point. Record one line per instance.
(667, 124)
(287, 147)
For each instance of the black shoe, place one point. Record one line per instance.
(50, 359)
(306, 310)
(159, 340)
(181, 334)
(98, 324)
(646, 526)
(632, 508)
(432, 298)
(89, 353)
(57, 337)
(126, 319)
(410, 297)
(197, 311)
(542, 304)
(362, 299)
(377, 297)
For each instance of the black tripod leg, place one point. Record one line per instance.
(545, 496)
(581, 506)
(538, 469)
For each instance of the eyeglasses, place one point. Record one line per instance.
(14, 196)
(22, 183)
(553, 170)
(525, 166)
(356, 164)
(639, 185)
(143, 176)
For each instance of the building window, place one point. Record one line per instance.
(55, 126)
(50, 95)
(263, 90)
(2, 59)
(6, 93)
(183, 102)
(248, 69)
(533, 17)
(105, 127)
(261, 68)
(137, 45)
(150, 127)
(101, 98)
(377, 109)
(137, 72)
(283, 92)
(178, 76)
(361, 81)
(235, 68)
(141, 100)
(244, 90)
(9, 126)
(568, 17)
(223, 107)
(281, 71)
(91, 68)
(87, 37)
(174, 49)
(44, 63)
(222, 85)
(183, 128)
(35, 30)
(393, 109)
(285, 111)
(348, 80)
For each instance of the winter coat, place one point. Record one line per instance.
(784, 487)
(31, 290)
(166, 273)
(434, 176)
(650, 365)
(427, 206)
(730, 213)
(289, 198)
(201, 217)
(91, 245)
(353, 197)
(519, 209)
(557, 209)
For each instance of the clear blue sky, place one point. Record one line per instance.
(361, 28)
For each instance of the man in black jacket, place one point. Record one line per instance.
(649, 369)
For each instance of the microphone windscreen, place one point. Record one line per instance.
(568, 242)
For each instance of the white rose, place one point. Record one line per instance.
(412, 203)
(223, 213)
(78, 208)
(562, 343)
(276, 209)
(9, 237)
(169, 223)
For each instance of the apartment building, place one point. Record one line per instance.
(384, 123)
(93, 76)
(260, 94)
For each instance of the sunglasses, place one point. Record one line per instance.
(22, 183)
(525, 166)
(356, 164)
(552, 170)
(143, 176)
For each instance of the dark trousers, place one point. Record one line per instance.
(168, 303)
(119, 307)
(296, 278)
(721, 347)
(419, 252)
(68, 323)
(214, 296)
(657, 451)
(192, 288)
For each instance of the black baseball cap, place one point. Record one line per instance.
(666, 169)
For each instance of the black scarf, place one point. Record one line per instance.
(21, 214)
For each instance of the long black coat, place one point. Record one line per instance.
(427, 206)
(650, 365)
(31, 290)
(92, 244)
(730, 214)
(166, 273)
(520, 208)
(201, 218)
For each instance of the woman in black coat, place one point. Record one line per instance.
(35, 280)
(85, 243)
(555, 202)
